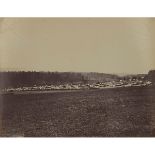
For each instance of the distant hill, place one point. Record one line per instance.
(31, 78)
(151, 76)
(18, 79)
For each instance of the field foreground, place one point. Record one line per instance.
(118, 112)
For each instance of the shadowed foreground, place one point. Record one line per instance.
(86, 113)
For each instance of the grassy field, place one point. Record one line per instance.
(120, 112)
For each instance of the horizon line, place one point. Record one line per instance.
(1, 70)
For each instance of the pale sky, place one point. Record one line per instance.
(108, 45)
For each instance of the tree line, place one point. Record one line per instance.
(30, 78)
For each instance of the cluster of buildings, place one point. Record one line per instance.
(98, 85)
(122, 83)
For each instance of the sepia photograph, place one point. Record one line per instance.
(77, 77)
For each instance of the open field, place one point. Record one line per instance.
(114, 112)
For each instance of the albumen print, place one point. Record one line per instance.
(77, 77)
